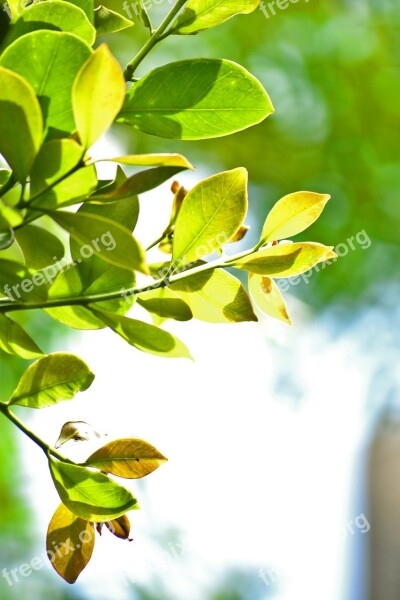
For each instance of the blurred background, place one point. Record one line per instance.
(283, 478)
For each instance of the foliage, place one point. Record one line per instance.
(58, 96)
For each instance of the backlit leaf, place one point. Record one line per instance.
(98, 95)
(52, 379)
(285, 260)
(292, 215)
(90, 495)
(267, 296)
(108, 21)
(211, 213)
(52, 75)
(196, 99)
(70, 541)
(21, 123)
(39, 247)
(143, 336)
(128, 458)
(14, 340)
(204, 14)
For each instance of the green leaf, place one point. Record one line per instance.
(61, 57)
(52, 379)
(56, 179)
(204, 14)
(211, 213)
(292, 215)
(21, 123)
(152, 160)
(89, 495)
(163, 304)
(54, 15)
(128, 458)
(215, 297)
(268, 298)
(93, 275)
(5, 175)
(39, 247)
(6, 235)
(285, 260)
(19, 283)
(108, 21)
(14, 340)
(142, 14)
(87, 6)
(89, 229)
(222, 98)
(9, 216)
(97, 95)
(143, 336)
(74, 539)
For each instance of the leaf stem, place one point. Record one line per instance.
(4, 409)
(156, 37)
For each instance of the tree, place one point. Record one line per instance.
(57, 97)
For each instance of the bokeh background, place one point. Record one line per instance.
(283, 443)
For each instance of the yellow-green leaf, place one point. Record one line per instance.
(267, 296)
(70, 542)
(14, 340)
(211, 213)
(98, 94)
(204, 14)
(292, 214)
(285, 260)
(152, 160)
(128, 458)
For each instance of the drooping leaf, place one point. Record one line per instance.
(108, 21)
(88, 229)
(39, 247)
(285, 260)
(14, 340)
(90, 495)
(54, 15)
(199, 15)
(127, 458)
(21, 123)
(163, 304)
(51, 77)
(196, 99)
(211, 213)
(215, 297)
(70, 541)
(268, 298)
(98, 94)
(52, 379)
(139, 184)
(143, 336)
(292, 215)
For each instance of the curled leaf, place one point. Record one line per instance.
(120, 527)
(79, 431)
